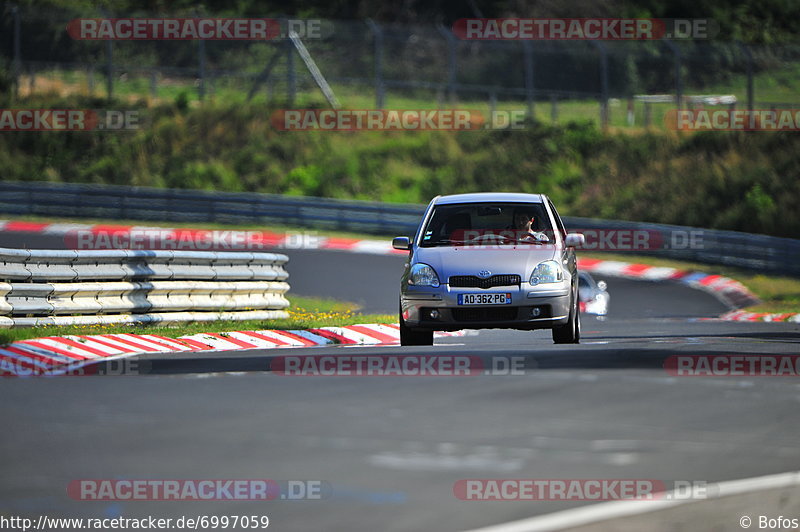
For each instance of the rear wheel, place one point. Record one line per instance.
(570, 332)
(410, 336)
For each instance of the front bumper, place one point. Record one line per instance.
(531, 307)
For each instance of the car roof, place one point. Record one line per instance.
(481, 197)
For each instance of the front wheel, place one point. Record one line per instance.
(414, 337)
(570, 332)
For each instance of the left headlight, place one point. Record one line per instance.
(549, 271)
(423, 275)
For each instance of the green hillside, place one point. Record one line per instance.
(739, 181)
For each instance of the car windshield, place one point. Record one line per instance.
(473, 224)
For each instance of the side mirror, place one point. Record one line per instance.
(602, 285)
(401, 242)
(575, 240)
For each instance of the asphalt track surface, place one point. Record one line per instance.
(392, 448)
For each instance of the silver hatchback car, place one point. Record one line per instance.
(489, 260)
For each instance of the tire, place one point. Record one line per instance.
(410, 336)
(570, 332)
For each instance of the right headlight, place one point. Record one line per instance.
(549, 271)
(423, 275)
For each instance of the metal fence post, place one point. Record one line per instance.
(291, 75)
(154, 84)
(452, 67)
(109, 62)
(678, 80)
(631, 113)
(17, 50)
(201, 89)
(380, 88)
(554, 108)
(109, 69)
(603, 83)
(750, 88)
(530, 91)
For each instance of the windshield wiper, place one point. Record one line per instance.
(442, 242)
(531, 241)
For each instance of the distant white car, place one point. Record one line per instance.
(593, 295)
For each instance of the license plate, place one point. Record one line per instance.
(484, 299)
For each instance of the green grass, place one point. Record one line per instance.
(778, 294)
(304, 313)
(773, 86)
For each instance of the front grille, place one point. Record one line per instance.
(473, 281)
(485, 314)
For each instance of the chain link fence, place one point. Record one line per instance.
(371, 64)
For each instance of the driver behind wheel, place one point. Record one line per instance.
(525, 227)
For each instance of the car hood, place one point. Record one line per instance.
(448, 261)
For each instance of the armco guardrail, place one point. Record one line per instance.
(708, 246)
(744, 250)
(65, 287)
(173, 205)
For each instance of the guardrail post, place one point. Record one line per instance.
(212, 210)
